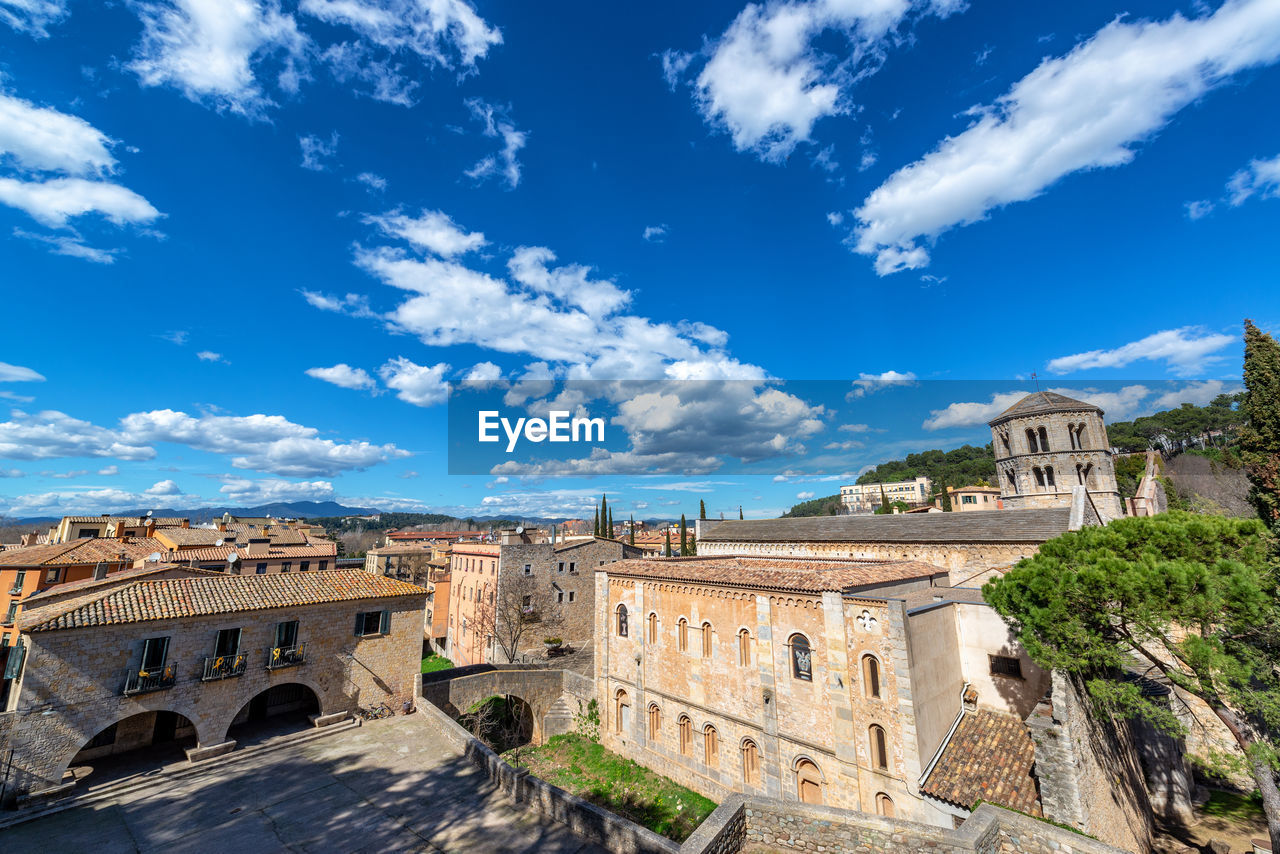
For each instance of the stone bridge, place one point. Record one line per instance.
(553, 695)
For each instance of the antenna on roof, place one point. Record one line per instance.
(1037, 380)
(154, 557)
(218, 543)
(149, 512)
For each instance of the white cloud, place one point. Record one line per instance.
(317, 152)
(1186, 351)
(655, 233)
(420, 385)
(1084, 110)
(208, 50)
(12, 473)
(766, 80)
(56, 200)
(51, 434)
(854, 428)
(1119, 404)
(804, 496)
(356, 305)
(164, 488)
(175, 336)
(375, 182)
(1260, 177)
(209, 356)
(269, 491)
(569, 284)
(835, 218)
(869, 383)
(18, 374)
(433, 231)
(88, 500)
(483, 373)
(33, 17)
(1196, 393)
(345, 376)
(109, 471)
(445, 33)
(42, 139)
(72, 247)
(497, 124)
(1199, 209)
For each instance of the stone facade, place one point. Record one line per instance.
(754, 725)
(1047, 443)
(78, 675)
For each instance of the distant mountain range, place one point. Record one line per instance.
(282, 509)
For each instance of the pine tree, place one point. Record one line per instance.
(702, 509)
(632, 537)
(1260, 439)
(684, 537)
(667, 553)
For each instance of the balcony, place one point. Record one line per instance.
(287, 656)
(224, 667)
(144, 681)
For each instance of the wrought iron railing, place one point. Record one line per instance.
(287, 656)
(141, 681)
(224, 667)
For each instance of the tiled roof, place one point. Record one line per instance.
(799, 574)
(35, 555)
(113, 578)
(87, 550)
(990, 526)
(989, 758)
(191, 536)
(1042, 402)
(320, 548)
(176, 598)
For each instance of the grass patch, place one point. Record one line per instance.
(434, 662)
(1229, 805)
(584, 768)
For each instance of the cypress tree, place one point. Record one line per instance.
(595, 529)
(668, 551)
(739, 512)
(610, 534)
(604, 515)
(684, 537)
(632, 536)
(884, 501)
(1260, 439)
(702, 509)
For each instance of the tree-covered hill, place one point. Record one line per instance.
(963, 466)
(1186, 422)
(826, 506)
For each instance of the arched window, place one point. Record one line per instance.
(682, 634)
(655, 722)
(744, 647)
(1004, 440)
(879, 747)
(1048, 476)
(1081, 436)
(871, 675)
(685, 726)
(653, 627)
(1032, 446)
(622, 621)
(706, 640)
(750, 763)
(1044, 439)
(808, 782)
(1013, 481)
(710, 746)
(884, 805)
(621, 712)
(1039, 473)
(801, 657)
(1082, 473)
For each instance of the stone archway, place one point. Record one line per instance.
(274, 711)
(133, 745)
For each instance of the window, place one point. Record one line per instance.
(571, 595)
(801, 658)
(706, 640)
(750, 763)
(287, 634)
(1006, 665)
(286, 566)
(324, 564)
(375, 623)
(12, 613)
(560, 567)
(879, 747)
(1044, 440)
(710, 746)
(655, 722)
(808, 782)
(261, 569)
(685, 726)
(621, 712)
(682, 634)
(744, 647)
(573, 567)
(968, 499)
(1082, 473)
(1048, 476)
(1013, 481)
(871, 676)
(528, 569)
(53, 576)
(559, 595)
(304, 566)
(154, 653)
(228, 642)
(884, 805)
(653, 627)
(622, 621)
(19, 581)
(1031, 440)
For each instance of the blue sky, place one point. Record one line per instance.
(247, 246)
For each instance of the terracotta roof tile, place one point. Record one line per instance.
(798, 574)
(1042, 402)
(989, 758)
(172, 598)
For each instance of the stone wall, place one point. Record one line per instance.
(79, 674)
(455, 691)
(1089, 769)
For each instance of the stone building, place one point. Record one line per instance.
(970, 546)
(968, 499)
(527, 577)
(837, 682)
(1046, 444)
(122, 664)
(867, 497)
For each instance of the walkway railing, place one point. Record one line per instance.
(158, 679)
(287, 656)
(224, 667)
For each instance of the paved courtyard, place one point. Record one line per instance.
(393, 785)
